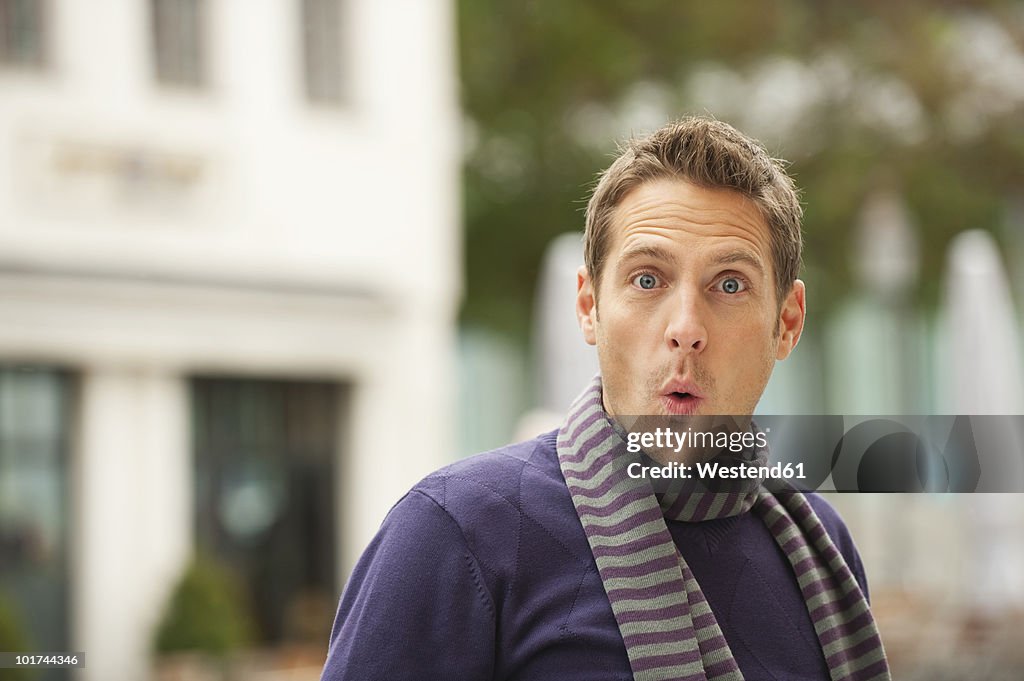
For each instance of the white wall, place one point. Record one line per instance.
(365, 193)
(302, 241)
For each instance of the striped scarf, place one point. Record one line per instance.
(666, 622)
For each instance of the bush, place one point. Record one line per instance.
(205, 612)
(13, 640)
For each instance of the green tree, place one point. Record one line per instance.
(917, 96)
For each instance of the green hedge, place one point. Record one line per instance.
(206, 612)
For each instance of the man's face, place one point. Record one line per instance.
(685, 317)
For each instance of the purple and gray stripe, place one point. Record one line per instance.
(666, 623)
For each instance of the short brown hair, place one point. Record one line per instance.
(707, 153)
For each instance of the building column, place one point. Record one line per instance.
(400, 428)
(133, 491)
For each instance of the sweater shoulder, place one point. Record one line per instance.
(493, 477)
(825, 511)
(490, 496)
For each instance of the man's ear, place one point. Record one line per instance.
(791, 320)
(586, 305)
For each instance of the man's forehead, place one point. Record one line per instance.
(669, 209)
(718, 254)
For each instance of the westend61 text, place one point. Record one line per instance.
(716, 471)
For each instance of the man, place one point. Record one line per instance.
(545, 560)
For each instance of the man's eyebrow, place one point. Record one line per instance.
(739, 255)
(647, 251)
(658, 253)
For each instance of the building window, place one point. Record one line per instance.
(34, 432)
(178, 29)
(322, 50)
(265, 461)
(22, 34)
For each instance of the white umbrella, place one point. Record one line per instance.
(984, 363)
(564, 362)
(982, 367)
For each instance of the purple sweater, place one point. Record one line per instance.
(482, 571)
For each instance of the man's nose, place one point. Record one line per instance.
(686, 328)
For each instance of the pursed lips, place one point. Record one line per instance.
(681, 397)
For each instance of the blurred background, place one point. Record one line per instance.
(266, 263)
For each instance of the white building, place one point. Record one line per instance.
(239, 212)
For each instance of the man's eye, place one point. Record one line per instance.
(732, 285)
(646, 281)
